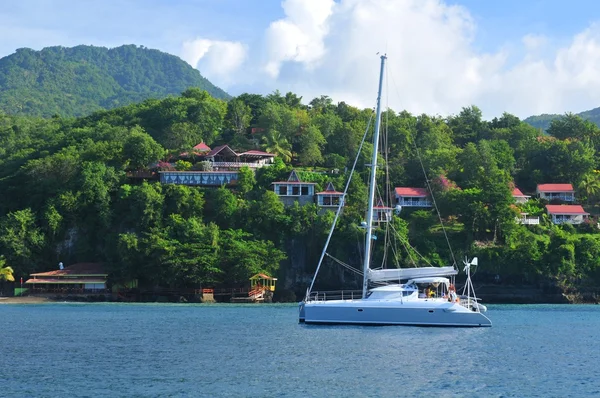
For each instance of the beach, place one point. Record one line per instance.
(24, 300)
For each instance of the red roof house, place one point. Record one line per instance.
(564, 192)
(412, 197)
(329, 197)
(572, 214)
(518, 196)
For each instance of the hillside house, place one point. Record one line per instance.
(567, 214)
(225, 158)
(381, 212)
(330, 198)
(564, 192)
(294, 190)
(518, 196)
(224, 166)
(412, 197)
(80, 279)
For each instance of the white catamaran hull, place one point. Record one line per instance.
(391, 312)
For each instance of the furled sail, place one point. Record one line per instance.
(395, 274)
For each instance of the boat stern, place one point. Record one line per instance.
(301, 312)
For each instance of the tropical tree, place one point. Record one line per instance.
(589, 186)
(274, 142)
(6, 272)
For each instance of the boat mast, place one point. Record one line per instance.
(372, 185)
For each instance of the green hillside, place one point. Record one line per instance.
(70, 191)
(543, 121)
(80, 80)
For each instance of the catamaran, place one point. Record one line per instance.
(419, 296)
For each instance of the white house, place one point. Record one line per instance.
(381, 213)
(294, 190)
(564, 192)
(412, 197)
(567, 214)
(330, 198)
(518, 196)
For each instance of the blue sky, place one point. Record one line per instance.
(528, 56)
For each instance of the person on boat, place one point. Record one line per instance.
(451, 293)
(430, 292)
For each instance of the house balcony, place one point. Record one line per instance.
(201, 178)
(528, 220)
(564, 198)
(574, 221)
(237, 165)
(415, 203)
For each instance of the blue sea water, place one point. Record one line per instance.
(184, 350)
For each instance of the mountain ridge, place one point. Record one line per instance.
(76, 81)
(543, 121)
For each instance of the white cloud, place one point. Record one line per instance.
(299, 36)
(533, 42)
(326, 47)
(217, 60)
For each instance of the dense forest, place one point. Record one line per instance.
(65, 194)
(80, 80)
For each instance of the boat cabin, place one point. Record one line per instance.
(414, 289)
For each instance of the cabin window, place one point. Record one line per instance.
(304, 190)
(295, 191)
(282, 190)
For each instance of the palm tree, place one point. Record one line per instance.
(6, 272)
(274, 142)
(590, 186)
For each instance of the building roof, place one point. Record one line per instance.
(221, 148)
(294, 179)
(63, 281)
(555, 188)
(566, 209)
(330, 190)
(517, 192)
(407, 191)
(263, 276)
(202, 147)
(380, 205)
(79, 269)
(257, 153)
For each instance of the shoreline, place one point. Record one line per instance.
(487, 300)
(25, 300)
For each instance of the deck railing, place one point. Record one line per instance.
(335, 295)
(237, 165)
(419, 203)
(58, 290)
(528, 220)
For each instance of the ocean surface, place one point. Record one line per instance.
(186, 350)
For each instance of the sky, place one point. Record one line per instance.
(524, 57)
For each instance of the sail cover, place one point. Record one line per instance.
(384, 275)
